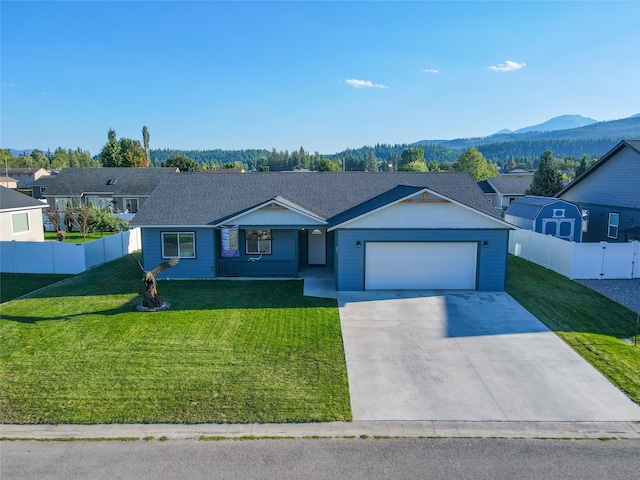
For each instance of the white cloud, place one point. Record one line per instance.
(364, 84)
(508, 66)
(5, 84)
(431, 70)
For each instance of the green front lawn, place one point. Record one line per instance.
(13, 285)
(76, 237)
(590, 323)
(226, 351)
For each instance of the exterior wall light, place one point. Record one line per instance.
(485, 244)
(358, 244)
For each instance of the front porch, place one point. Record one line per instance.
(261, 268)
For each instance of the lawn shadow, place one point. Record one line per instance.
(32, 319)
(123, 277)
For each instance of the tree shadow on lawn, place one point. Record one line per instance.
(126, 308)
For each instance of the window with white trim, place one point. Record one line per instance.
(20, 222)
(258, 242)
(178, 245)
(614, 224)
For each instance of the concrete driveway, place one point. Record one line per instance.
(467, 355)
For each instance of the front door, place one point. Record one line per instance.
(317, 247)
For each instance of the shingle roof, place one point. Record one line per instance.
(11, 200)
(530, 206)
(129, 181)
(511, 184)
(208, 199)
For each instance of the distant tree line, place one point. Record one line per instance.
(60, 158)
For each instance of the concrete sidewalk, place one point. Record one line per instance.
(387, 429)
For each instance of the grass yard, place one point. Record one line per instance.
(14, 285)
(590, 323)
(226, 351)
(76, 237)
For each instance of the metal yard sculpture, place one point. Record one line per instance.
(150, 298)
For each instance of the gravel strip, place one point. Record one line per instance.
(625, 292)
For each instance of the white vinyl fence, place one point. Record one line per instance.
(64, 257)
(577, 260)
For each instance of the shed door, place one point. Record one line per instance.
(420, 265)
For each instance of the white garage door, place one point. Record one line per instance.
(423, 265)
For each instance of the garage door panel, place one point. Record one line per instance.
(420, 265)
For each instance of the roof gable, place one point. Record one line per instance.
(421, 209)
(275, 212)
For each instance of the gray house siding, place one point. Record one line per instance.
(615, 183)
(491, 265)
(610, 186)
(597, 229)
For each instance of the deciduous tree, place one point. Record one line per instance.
(411, 155)
(473, 162)
(184, 163)
(327, 165)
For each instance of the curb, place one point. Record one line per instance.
(358, 429)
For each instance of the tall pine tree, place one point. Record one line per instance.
(547, 180)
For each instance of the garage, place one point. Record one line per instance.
(420, 265)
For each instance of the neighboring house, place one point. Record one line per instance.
(122, 189)
(20, 217)
(608, 195)
(8, 182)
(395, 230)
(39, 187)
(26, 176)
(503, 190)
(546, 215)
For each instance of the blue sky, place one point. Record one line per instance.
(322, 75)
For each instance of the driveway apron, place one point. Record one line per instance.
(467, 356)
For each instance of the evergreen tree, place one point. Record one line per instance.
(145, 143)
(547, 180)
(371, 162)
(110, 153)
(582, 167)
